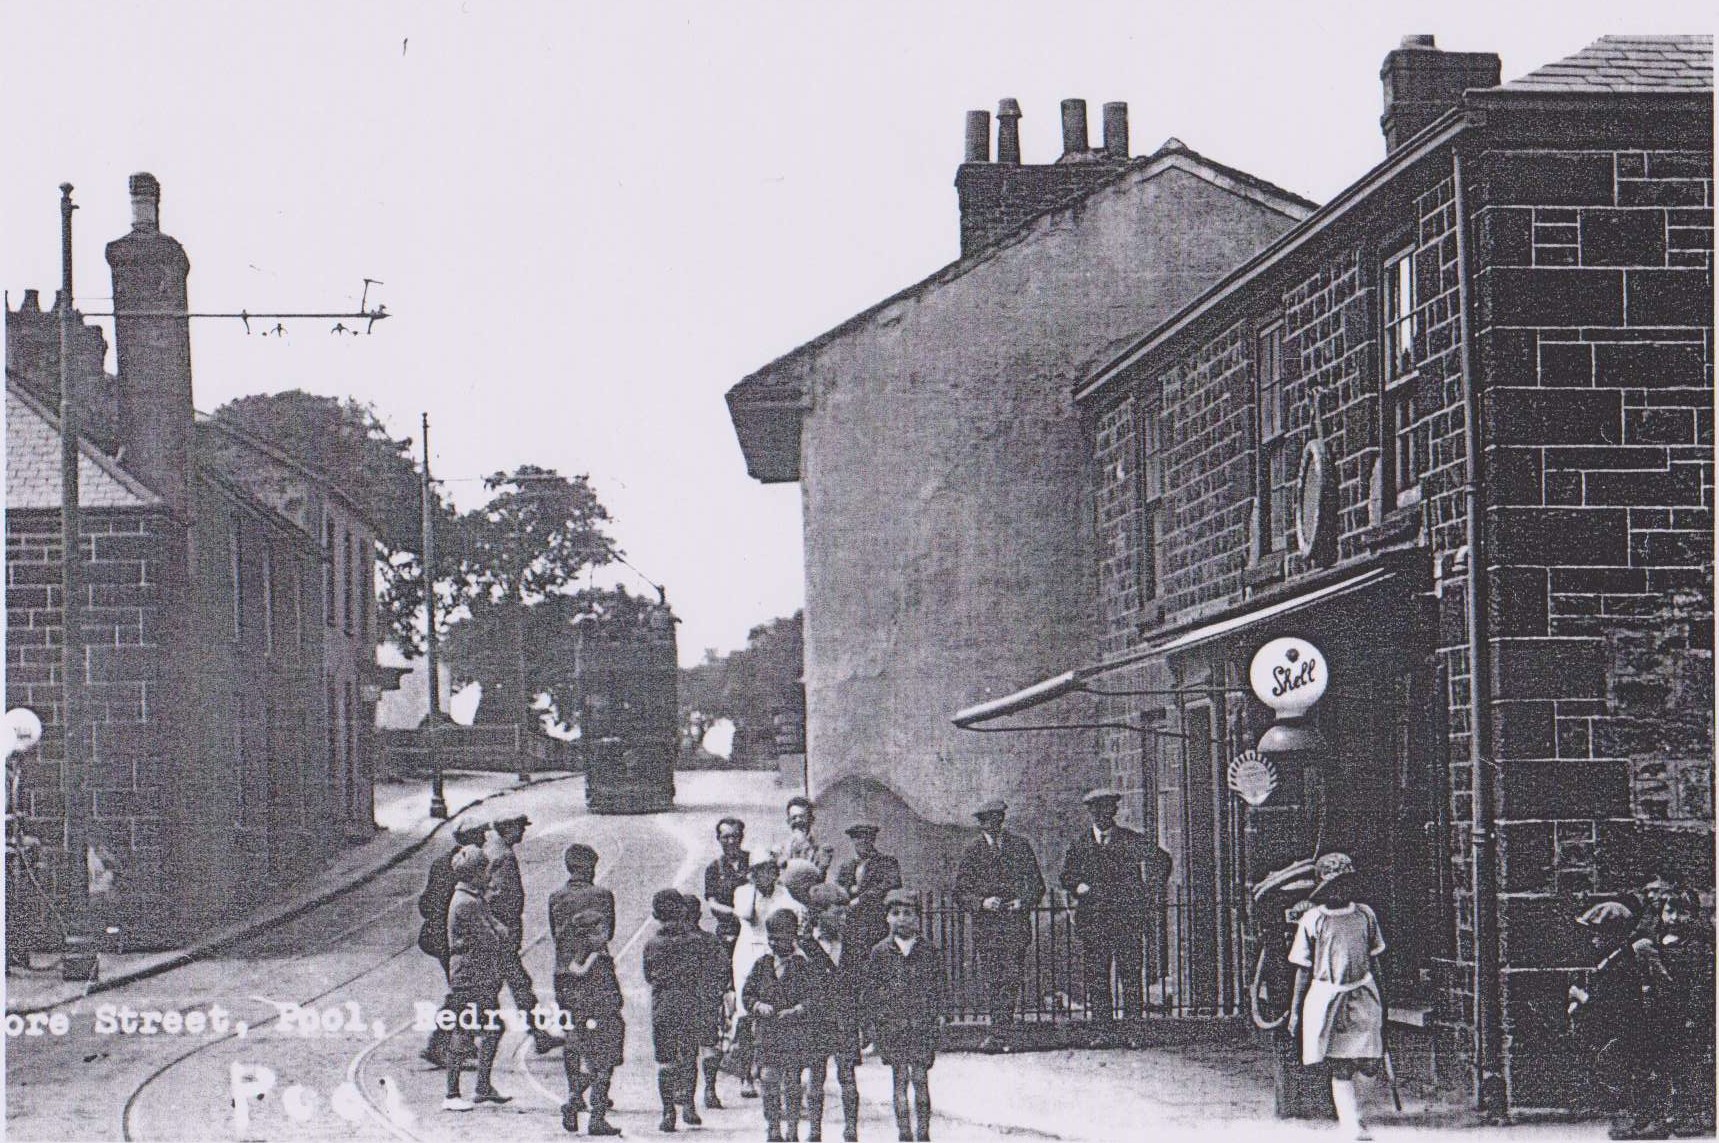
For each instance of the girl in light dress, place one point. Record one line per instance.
(1338, 1007)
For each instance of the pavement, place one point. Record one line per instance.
(403, 828)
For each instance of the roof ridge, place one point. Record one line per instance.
(86, 448)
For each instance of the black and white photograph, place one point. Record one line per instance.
(715, 569)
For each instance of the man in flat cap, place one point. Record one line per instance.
(999, 883)
(1117, 880)
(867, 878)
(507, 902)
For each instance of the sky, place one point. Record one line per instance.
(590, 220)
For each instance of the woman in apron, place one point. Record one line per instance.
(762, 895)
(1338, 1008)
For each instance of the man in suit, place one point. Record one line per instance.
(999, 883)
(1116, 878)
(867, 878)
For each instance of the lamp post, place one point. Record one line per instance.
(79, 962)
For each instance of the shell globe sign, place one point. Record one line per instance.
(1289, 675)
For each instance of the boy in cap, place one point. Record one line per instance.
(840, 963)
(904, 1001)
(674, 971)
(999, 883)
(1618, 1017)
(713, 983)
(582, 922)
(1338, 1007)
(433, 905)
(867, 877)
(475, 941)
(780, 994)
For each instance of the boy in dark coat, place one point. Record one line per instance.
(841, 964)
(475, 942)
(433, 905)
(904, 991)
(1617, 1016)
(781, 995)
(582, 921)
(1684, 942)
(716, 975)
(674, 969)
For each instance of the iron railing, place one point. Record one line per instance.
(1180, 963)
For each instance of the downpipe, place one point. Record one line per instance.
(1491, 1099)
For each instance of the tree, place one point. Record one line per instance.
(752, 686)
(526, 547)
(346, 444)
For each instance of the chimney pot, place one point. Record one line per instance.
(1075, 140)
(978, 137)
(1422, 82)
(1116, 131)
(32, 301)
(1009, 132)
(145, 202)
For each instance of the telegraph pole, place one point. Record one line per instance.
(79, 961)
(432, 721)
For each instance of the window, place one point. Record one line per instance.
(235, 556)
(328, 571)
(366, 585)
(1149, 470)
(1400, 462)
(1274, 483)
(268, 599)
(346, 584)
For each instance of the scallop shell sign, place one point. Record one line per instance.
(1289, 676)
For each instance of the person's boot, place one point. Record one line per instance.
(570, 1117)
(599, 1124)
(666, 1124)
(666, 1091)
(711, 1067)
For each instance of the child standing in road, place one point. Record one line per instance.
(1338, 1007)
(904, 990)
(781, 996)
(713, 986)
(673, 969)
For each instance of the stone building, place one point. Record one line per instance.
(213, 623)
(1456, 431)
(947, 543)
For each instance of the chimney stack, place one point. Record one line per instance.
(978, 137)
(1116, 131)
(1422, 82)
(1075, 140)
(1009, 132)
(150, 272)
(145, 203)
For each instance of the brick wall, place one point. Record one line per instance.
(1595, 321)
(126, 566)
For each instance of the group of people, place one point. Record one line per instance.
(818, 969)
(1646, 1011)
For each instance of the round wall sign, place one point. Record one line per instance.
(1288, 675)
(1310, 515)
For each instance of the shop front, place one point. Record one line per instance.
(1307, 721)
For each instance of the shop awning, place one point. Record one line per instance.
(1075, 681)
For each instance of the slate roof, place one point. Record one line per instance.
(33, 464)
(1628, 64)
